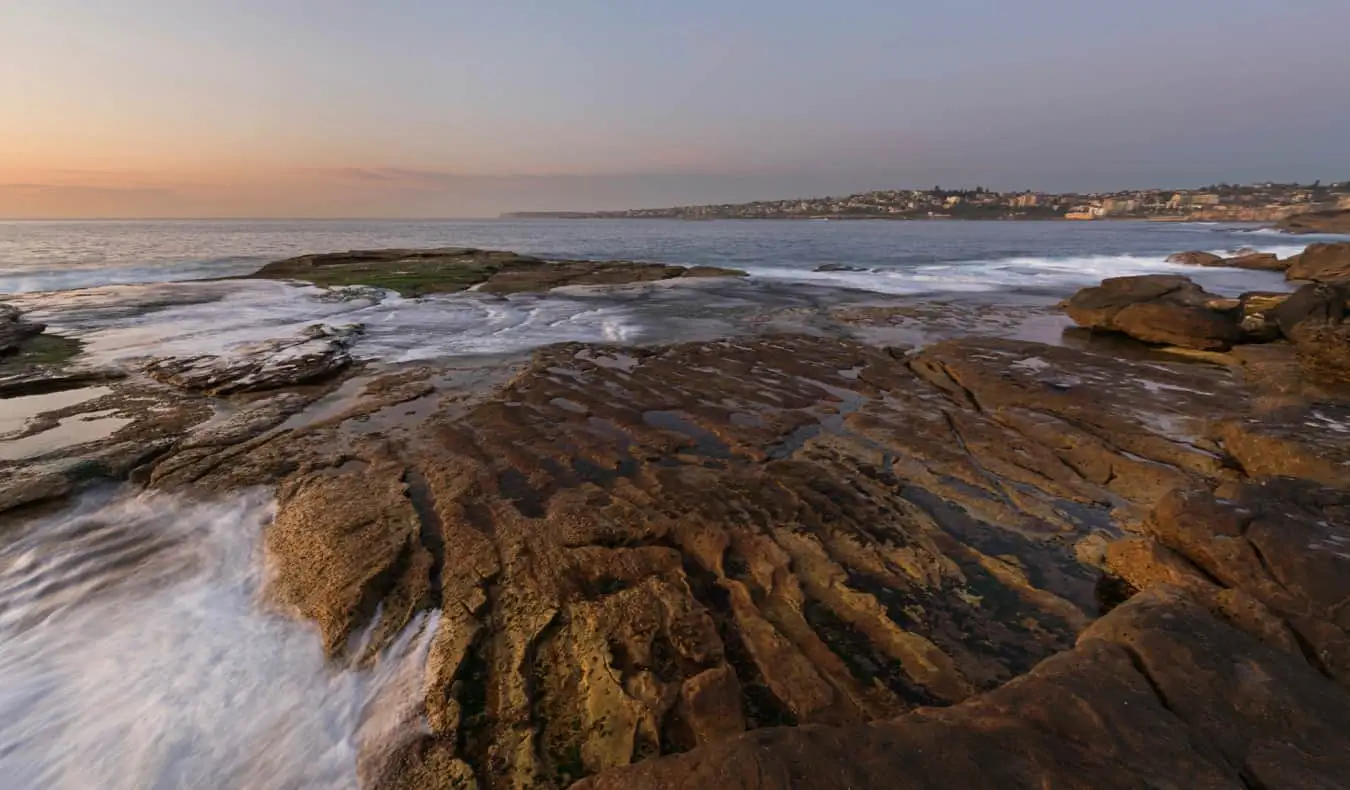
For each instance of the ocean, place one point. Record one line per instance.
(129, 289)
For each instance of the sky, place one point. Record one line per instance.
(466, 108)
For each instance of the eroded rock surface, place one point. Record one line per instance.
(638, 552)
(316, 354)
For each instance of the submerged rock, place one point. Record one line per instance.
(14, 330)
(1196, 258)
(1164, 309)
(319, 352)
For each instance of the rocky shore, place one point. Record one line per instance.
(794, 558)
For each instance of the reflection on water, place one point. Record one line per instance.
(133, 654)
(16, 412)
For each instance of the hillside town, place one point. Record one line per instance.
(1266, 202)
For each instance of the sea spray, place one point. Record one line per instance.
(135, 653)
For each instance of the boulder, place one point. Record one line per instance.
(14, 330)
(1196, 258)
(1162, 309)
(1316, 304)
(1263, 261)
(318, 353)
(1327, 263)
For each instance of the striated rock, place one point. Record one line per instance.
(1327, 263)
(638, 552)
(319, 353)
(1158, 693)
(1282, 542)
(1165, 309)
(14, 330)
(418, 272)
(1196, 258)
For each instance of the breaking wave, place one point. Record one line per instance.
(134, 654)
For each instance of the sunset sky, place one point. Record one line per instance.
(437, 108)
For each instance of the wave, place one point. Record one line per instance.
(133, 653)
(1028, 272)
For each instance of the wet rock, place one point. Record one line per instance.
(1196, 258)
(638, 552)
(418, 272)
(318, 353)
(840, 267)
(1327, 263)
(1164, 309)
(344, 544)
(1308, 440)
(1312, 305)
(14, 330)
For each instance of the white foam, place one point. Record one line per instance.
(1030, 272)
(221, 318)
(133, 654)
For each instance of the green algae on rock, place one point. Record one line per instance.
(413, 273)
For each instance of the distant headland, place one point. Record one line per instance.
(1267, 202)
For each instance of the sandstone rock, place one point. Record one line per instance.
(1157, 694)
(1164, 309)
(1314, 304)
(1309, 440)
(1261, 261)
(1196, 258)
(1327, 263)
(1333, 221)
(1280, 541)
(318, 353)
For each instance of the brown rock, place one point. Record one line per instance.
(1196, 258)
(1327, 263)
(1311, 305)
(1333, 221)
(1262, 261)
(1310, 440)
(1162, 309)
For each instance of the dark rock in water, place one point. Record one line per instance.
(14, 330)
(840, 267)
(317, 354)
(1334, 221)
(1327, 263)
(1196, 258)
(1163, 309)
(417, 272)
